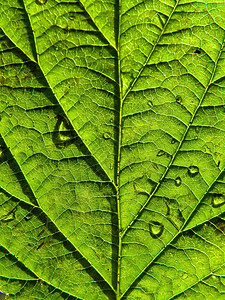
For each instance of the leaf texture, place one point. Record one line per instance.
(112, 120)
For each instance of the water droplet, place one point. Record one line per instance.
(197, 51)
(28, 217)
(178, 181)
(217, 200)
(206, 149)
(1, 152)
(173, 141)
(161, 153)
(156, 229)
(197, 129)
(106, 135)
(150, 103)
(10, 216)
(72, 16)
(185, 276)
(193, 171)
(63, 134)
(178, 99)
(41, 2)
(155, 166)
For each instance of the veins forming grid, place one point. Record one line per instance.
(117, 184)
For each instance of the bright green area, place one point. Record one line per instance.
(112, 149)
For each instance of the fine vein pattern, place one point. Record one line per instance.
(112, 149)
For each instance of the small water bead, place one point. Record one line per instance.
(28, 217)
(41, 2)
(178, 99)
(63, 134)
(72, 16)
(193, 171)
(150, 103)
(178, 181)
(173, 141)
(1, 151)
(161, 153)
(156, 229)
(218, 200)
(155, 166)
(185, 276)
(10, 216)
(197, 51)
(197, 129)
(106, 135)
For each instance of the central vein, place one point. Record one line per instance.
(118, 157)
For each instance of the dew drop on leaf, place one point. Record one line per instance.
(63, 135)
(155, 166)
(193, 171)
(173, 141)
(28, 217)
(72, 16)
(206, 149)
(161, 153)
(106, 135)
(178, 181)
(218, 200)
(41, 2)
(197, 51)
(197, 129)
(185, 276)
(150, 103)
(10, 216)
(156, 229)
(178, 99)
(1, 152)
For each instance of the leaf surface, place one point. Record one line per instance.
(112, 149)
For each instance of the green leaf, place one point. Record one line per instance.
(112, 152)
